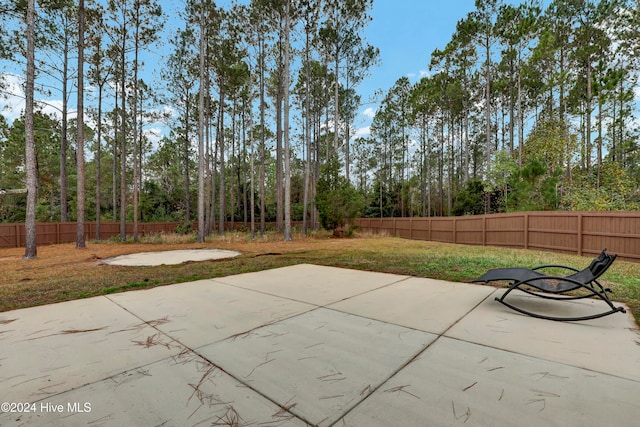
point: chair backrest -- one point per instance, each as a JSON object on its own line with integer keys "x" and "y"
{"x": 596, "y": 269}
{"x": 601, "y": 264}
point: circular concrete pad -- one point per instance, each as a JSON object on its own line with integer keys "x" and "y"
{"x": 170, "y": 257}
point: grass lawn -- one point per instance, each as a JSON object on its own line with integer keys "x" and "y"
{"x": 62, "y": 273}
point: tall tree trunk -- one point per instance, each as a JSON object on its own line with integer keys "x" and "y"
{"x": 99, "y": 162}
{"x": 31, "y": 250}
{"x": 114, "y": 169}
{"x": 520, "y": 119}
{"x": 235, "y": 163}
{"x": 187, "y": 175}
{"x": 201, "y": 177}
{"x": 279, "y": 174}
{"x": 243, "y": 179}
{"x": 307, "y": 137}
{"x": 336, "y": 99}
{"x": 487, "y": 116}
{"x": 123, "y": 144}
{"x": 262, "y": 136}
{"x": 347, "y": 134}
{"x": 64, "y": 134}
{"x": 80, "y": 237}
{"x": 287, "y": 148}
{"x": 252, "y": 197}
{"x": 214, "y": 182}
{"x": 588, "y": 117}
{"x": 208, "y": 158}
{"x": 134, "y": 103}
{"x": 223, "y": 207}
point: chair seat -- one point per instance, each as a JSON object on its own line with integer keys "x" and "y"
{"x": 532, "y": 278}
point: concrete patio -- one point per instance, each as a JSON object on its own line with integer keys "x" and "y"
{"x": 312, "y": 345}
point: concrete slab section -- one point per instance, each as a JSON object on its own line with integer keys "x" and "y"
{"x": 425, "y": 304}
{"x": 318, "y": 364}
{"x": 313, "y": 284}
{"x": 50, "y": 349}
{"x": 206, "y": 311}
{"x": 459, "y": 383}
{"x": 180, "y": 391}
{"x": 143, "y": 259}
{"x": 609, "y": 344}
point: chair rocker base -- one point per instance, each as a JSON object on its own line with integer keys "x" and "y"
{"x": 561, "y": 319}
{"x": 592, "y": 292}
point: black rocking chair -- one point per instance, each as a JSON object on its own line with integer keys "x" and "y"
{"x": 524, "y": 279}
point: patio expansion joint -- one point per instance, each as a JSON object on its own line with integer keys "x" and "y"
{"x": 283, "y": 408}
{"x": 326, "y": 305}
{"x": 420, "y": 352}
{"x": 549, "y": 360}
{"x": 505, "y": 350}
{"x": 210, "y": 362}
{"x": 185, "y": 348}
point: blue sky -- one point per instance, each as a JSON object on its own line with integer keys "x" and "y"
{"x": 406, "y": 32}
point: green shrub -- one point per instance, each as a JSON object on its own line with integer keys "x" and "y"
{"x": 185, "y": 227}
{"x": 338, "y": 202}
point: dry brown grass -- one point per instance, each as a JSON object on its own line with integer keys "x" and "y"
{"x": 62, "y": 272}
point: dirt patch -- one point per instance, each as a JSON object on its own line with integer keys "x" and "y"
{"x": 170, "y": 257}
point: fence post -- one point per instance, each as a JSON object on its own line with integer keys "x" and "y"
{"x": 526, "y": 231}
{"x": 411, "y": 228}
{"x": 484, "y": 230}
{"x": 455, "y": 231}
{"x": 580, "y": 234}
{"x": 18, "y": 244}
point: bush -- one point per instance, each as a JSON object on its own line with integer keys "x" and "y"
{"x": 338, "y": 202}
{"x": 185, "y": 227}
{"x": 471, "y": 199}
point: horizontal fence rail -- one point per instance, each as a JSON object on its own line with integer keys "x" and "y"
{"x": 52, "y": 233}
{"x": 580, "y": 233}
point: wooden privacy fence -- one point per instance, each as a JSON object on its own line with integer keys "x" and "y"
{"x": 51, "y": 233}
{"x": 581, "y": 233}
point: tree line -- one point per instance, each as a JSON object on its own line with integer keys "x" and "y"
{"x": 227, "y": 82}
{"x": 528, "y": 106}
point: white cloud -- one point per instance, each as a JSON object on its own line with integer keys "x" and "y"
{"x": 369, "y": 112}
{"x": 12, "y": 100}
{"x": 154, "y": 135}
{"x": 53, "y": 107}
{"x": 420, "y": 74}
{"x": 362, "y": 132}
{"x": 12, "y": 97}
{"x": 169, "y": 111}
